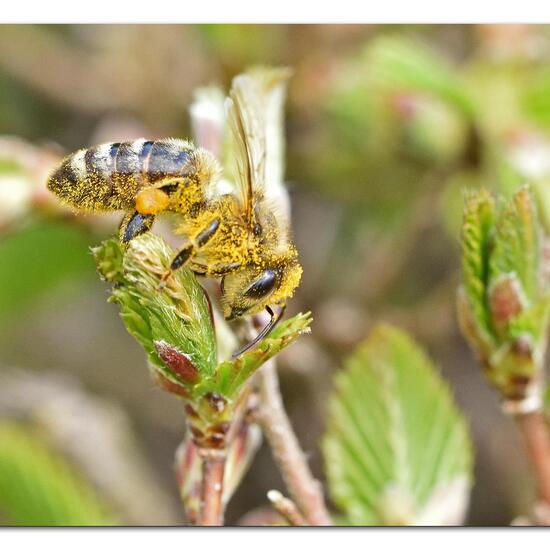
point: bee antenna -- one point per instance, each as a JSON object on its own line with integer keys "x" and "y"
{"x": 263, "y": 333}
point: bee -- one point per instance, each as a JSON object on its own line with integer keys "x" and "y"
{"x": 239, "y": 234}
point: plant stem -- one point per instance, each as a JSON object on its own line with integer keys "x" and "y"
{"x": 286, "y": 508}
{"x": 304, "y": 489}
{"x": 213, "y": 466}
{"x": 537, "y": 442}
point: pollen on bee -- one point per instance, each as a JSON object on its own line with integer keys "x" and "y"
{"x": 151, "y": 201}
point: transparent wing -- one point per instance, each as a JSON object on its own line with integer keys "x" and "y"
{"x": 255, "y": 117}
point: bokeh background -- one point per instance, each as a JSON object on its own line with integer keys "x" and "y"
{"x": 385, "y": 126}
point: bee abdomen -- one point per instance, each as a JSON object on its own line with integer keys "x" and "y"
{"x": 85, "y": 180}
{"x": 169, "y": 158}
{"x": 108, "y": 176}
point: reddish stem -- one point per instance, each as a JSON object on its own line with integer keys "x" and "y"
{"x": 537, "y": 442}
{"x": 213, "y": 466}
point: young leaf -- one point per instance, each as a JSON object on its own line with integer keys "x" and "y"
{"x": 478, "y": 220}
{"x": 396, "y": 443}
{"x": 517, "y": 243}
{"x": 178, "y": 316}
{"x": 231, "y": 375}
{"x": 38, "y": 487}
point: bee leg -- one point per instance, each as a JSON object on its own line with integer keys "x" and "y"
{"x": 222, "y": 269}
{"x": 178, "y": 261}
{"x": 207, "y": 233}
{"x": 182, "y": 257}
{"x": 190, "y": 249}
{"x": 134, "y": 224}
{"x": 217, "y": 270}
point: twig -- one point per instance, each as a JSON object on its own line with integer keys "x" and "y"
{"x": 261, "y": 517}
{"x": 286, "y": 508}
{"x": 537, "y": 442}
{"x": 305, "y": 490}
{"x": 213, "y": 466}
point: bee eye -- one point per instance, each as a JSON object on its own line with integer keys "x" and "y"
{"x": 262, "y": 286}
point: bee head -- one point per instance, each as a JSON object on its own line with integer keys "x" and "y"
{"x": 251, "y": 289}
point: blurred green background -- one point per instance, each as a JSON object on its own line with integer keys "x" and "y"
{"x": 385, "y": 126}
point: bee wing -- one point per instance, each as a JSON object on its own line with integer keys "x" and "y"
{"x": 255, "y": 117}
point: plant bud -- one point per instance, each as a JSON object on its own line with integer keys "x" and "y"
{"x": 506, "y": 301}
{"x": 179, "y": 363}
{"x": 504, "y": 304}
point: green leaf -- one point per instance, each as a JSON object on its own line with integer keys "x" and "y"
{"x": 400, "y": 63}
{"x": 517, "y": 246}
{"x": 533, "y": 323}
{"x": 477, "y": 227}
{"x": 39, "y": 487}
{"x": 178, "y": 315}
{"x": 231, "y": 375}
{"x": 397, "y": 449}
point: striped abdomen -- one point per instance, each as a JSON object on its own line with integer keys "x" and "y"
{"x": 108, "y": 176}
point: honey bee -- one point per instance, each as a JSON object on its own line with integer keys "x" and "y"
{"x": 239, "y": 234}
